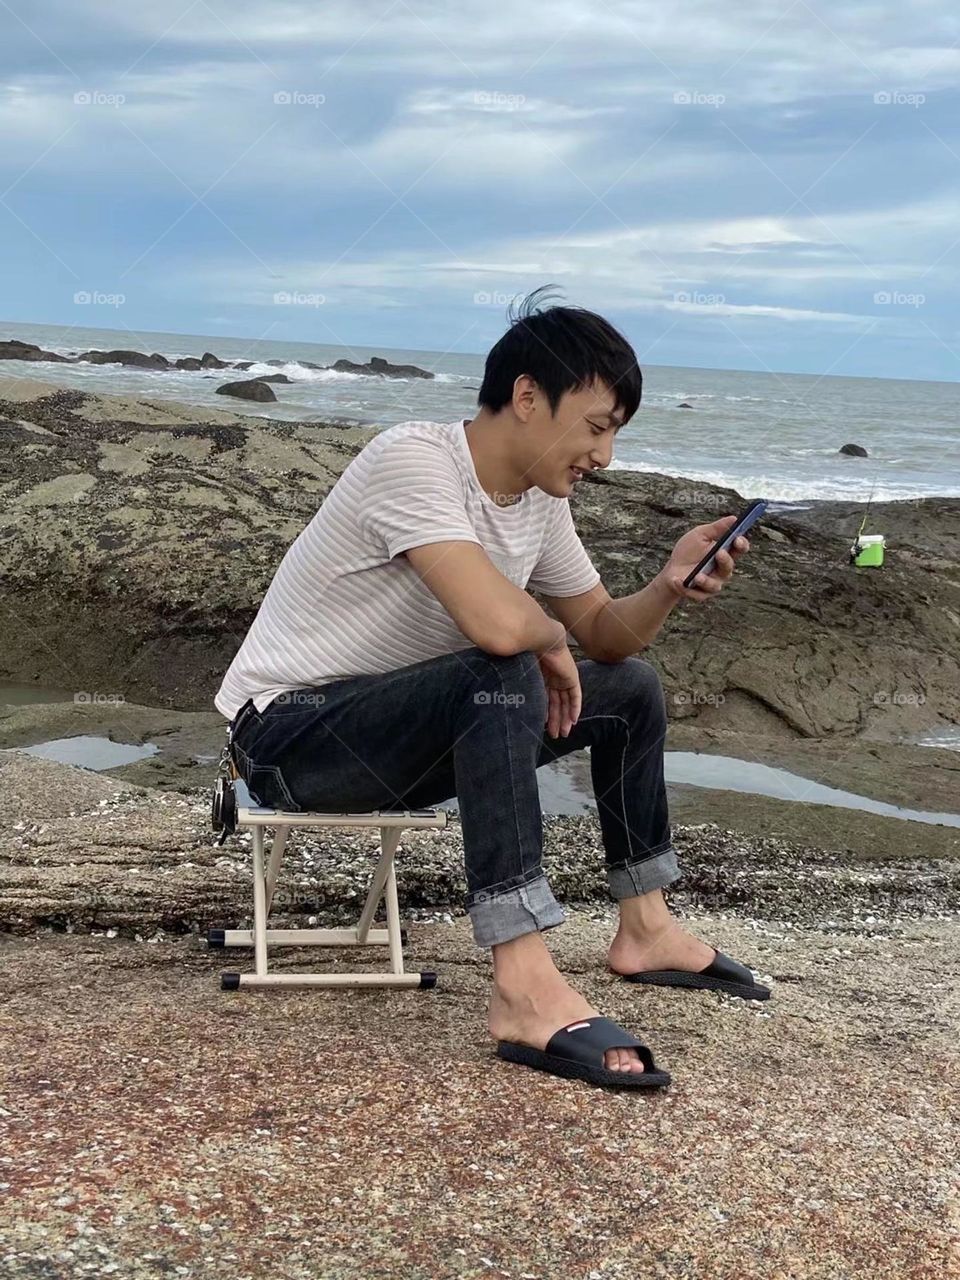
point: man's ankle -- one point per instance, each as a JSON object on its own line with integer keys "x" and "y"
{"x": 645, "y": 915}
{"x": 522, "y": 963}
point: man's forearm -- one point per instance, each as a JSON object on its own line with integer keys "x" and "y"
{"x": 630, "y": 623}
{"x": 537, "y": 631}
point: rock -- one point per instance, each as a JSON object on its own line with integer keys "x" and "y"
{"x": 188, "y": 362}
{"x": 380, "y": 367}
{"x": 198, "y": 507}
{"x": 684, "y": 405}
{"x": 252, "y": 389}
{"x": 854, "y": 450}
{"x": 273, "y": 377}
{"x": 243, "y": 364}
{"x": 138, "y": 359}
{"x": 15, "y": 350}
{"x": 209, "y": 361}
{"x": 773, "y": 534}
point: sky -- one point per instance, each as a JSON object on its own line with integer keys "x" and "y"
{"x": 770, "y": 186}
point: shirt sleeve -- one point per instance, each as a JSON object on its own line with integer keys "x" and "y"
{"x": 414, "y": 496}
{"x": 564, "y": 567}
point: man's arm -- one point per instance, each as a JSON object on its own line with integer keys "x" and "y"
{"x": 488, "y": 608}
{"x": 609, "y": 630}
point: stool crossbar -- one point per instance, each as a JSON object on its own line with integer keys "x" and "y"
{"x": 383, "y": 887}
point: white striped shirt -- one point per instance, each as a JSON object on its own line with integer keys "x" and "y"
{"x": 345, "y": 602}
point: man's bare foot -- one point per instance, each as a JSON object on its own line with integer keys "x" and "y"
{"x": 650, "y": 938}
{"x": 531, "y": 1000}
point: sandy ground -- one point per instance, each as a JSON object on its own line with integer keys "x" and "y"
{"x": 154, "y": 1125}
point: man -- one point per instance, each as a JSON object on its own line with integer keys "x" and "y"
{"x": 397, "y": 660}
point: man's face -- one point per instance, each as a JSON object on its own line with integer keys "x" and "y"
{"x": 558, "y": 449}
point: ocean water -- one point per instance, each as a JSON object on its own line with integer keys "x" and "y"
{"x": 764, "y": 434}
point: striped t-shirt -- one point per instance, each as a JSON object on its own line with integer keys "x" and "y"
{"x": 345, "y": 602}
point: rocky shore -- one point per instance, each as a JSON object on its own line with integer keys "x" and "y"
{"x": 138, "y": 538}
{"x": 155, "y": 1125}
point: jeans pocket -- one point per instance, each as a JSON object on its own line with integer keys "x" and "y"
{"x": 268, "y": 787}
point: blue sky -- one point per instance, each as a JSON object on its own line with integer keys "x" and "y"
{"x": 774, "y": 187}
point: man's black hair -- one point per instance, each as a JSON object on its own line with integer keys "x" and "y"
{"x": 562, "y": 349}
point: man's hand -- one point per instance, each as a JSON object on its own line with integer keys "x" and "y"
{"x": 562, "y": 680}
{"x": 691, "y": 549}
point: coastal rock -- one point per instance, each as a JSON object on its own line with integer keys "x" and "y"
{"x": 684, "y": 405}
{"x": 252, "y": 389}
{"x": 377, "y": 366}
{"x": 138, "y": 359}
{"x": 273, "y": 377}
{"x": 853, "y": 450}
{"x": 188, "y": 362}
{"x": 14, "y": 350}
{"x": 209, "y": 361}
{"x": 158, "y": 567}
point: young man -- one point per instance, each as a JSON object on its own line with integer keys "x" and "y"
{"x": 397, "y": 661}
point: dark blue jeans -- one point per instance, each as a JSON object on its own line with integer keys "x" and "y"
{"x": 471, "y": 725}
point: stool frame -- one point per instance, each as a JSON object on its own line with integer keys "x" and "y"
{"x": 383, "y": 887}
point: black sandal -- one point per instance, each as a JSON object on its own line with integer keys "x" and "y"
{"x": 576, "y": 1052}
{"x": 722, "y": 974}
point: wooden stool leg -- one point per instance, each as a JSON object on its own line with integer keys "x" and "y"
{"x": 259, "y": 906}
{"x": 389, "y": 839}
{"x": 276, "y": 858}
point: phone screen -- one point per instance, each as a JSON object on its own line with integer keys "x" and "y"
{"x": 746, "y": 520}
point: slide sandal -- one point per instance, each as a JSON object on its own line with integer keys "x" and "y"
{"x": 722, "y": 974}
{"x": 576, "y": 1052}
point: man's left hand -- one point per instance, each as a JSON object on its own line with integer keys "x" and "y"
{"x": 691, "y": 549}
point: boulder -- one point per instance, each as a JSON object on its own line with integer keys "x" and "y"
{"x": 684, "y": 405}
{"x": 209, "y": 361}
{"x": 251, "y": 389}
{"x": 854, "y": 450}
{"x": 15, "y": 350}
{"x": 188, "y": 362}
{"x": 380, "y": 368}
{"x": 273, "y": 377}
{"x": 138, "y": 359}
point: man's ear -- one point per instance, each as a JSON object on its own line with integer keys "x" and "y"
{"x": 524, "y": 396}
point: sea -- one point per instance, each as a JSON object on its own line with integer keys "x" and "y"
{"x": 773, "y": 435}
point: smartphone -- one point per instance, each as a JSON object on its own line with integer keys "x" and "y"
{"x": 746, "y": 520}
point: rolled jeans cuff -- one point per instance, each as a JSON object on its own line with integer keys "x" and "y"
{"x": 501, "y": 917}
{"x": 627, "y": 879}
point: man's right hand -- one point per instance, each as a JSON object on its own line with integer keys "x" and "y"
{"x": 562, "y": 680}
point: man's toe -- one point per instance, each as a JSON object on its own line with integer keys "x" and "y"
{"x": 623, "y": 1060}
